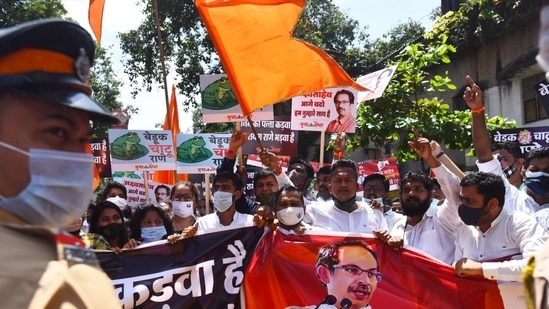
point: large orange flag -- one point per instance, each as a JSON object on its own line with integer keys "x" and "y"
{"x": 168, "y": 177}
{"x": 95, "y": 17}
{"x": 264, "y": 63}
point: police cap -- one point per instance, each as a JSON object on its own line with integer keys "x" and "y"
{"x": 49, "y": 60}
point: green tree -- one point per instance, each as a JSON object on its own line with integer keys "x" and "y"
{"x": 410, "y": 100}
{"x": 13, "y": 12}
{"x": 103, "y": 80}
{"x": 106, "y": 88}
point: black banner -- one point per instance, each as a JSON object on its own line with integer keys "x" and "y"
{"x": 205, "y": 271}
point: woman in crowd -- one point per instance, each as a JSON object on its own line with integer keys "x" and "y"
{"x": 184, "y": 199}
{"x": 150, "y": 223}
{"x": 107, "y": 230}
{"x": 117, "y": 193}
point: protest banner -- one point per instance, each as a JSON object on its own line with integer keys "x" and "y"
{"x": 211, "y": 269}
{"x": 201, "y": 153}
{"x": 219, "y": 102}
{"x": 275, "y": 135}
{"x": 317, "y": 111}
{"x": 387, "y": 167}
{"x": 101, "y": 157}
{"x": 204, "y": 271}
{"x": 135, "y": 188}
{"x": 542, "y": 91}
{"x": 141, "y": 150}
{"x": 282, "y": 273}
{"x": 528, "y": 138}
{"x": 376, "y": 83}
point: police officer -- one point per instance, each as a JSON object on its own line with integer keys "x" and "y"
{"x": 45, "y": 172}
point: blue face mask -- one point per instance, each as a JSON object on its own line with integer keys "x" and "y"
{"x": 154, "y": 233}
{"x": 537, "y": 182}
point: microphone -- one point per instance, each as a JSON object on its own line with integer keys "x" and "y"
{"x": 345, "y": 303}
{"x": 328, "y": 300}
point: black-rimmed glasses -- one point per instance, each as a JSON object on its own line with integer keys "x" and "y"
{"x": 355, "y": 271}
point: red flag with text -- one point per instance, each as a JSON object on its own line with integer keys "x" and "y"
{"x": 264, "y": 63}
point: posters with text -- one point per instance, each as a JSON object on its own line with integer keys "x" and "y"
{"x": 387, "y": 167}
{"x": 137, "y": 150}
{"x": 275, "y": 135}
{"x": 136, "y": 192}
{"x": 219, "y": 103}
{"x": 330, "y": 110}
{"x": 101, "y": 157}
{"x": 376, "y": 82}
{"x": 528, "y": 138}
{"x": 201, "y": 153}
{"x": 205, "y": 271}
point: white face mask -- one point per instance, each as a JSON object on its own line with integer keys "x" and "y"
{"x": 153, "y": 233}
{"x": 290, "y": 216}
{"x": 222, "y": 200}
{"x": 182, "y": 209}
{"x": 59, "y": 190}
{"x": 118, "y": 201}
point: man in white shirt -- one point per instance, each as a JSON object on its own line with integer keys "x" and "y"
{"x": 344, "y": 213}
{"x": 515, "y": 200}
{"x": 375, "y": 189}
{"x": 491, "y": 236}
{"x": 227, "y": 188}
{"x": 426, "y": 226}
{"x": 322, "y": 184}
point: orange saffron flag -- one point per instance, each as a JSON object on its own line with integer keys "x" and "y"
{"x": 264, "y": 63}
{"x": 95, "y": 17}
{"x": 168, "y": 177}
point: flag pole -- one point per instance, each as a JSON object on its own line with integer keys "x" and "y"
{"x": 322, "y": 145}
{"x": 255, "y": 133}
{"x": 162, "y": 59}
{"x": 239, "y": 151}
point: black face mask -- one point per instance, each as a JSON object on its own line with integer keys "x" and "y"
{"x": 510, "y": 170}
{"x": 267, "y": 199}
{"x": 412, "y": 211}
{"x": 471, "y": 216}
{"x": 111, "y": 231}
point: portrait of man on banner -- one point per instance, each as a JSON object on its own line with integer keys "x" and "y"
{"x": 376, "y": 83}
{"x": 344, "y": 102}
{"x": 349, "y": 270}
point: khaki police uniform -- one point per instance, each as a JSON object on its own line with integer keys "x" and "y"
{"x": 37, "y": 272}
{"x": 49, "y": 60}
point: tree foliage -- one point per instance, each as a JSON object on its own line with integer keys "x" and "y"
{"x": 410, "y": 101}
{"x": 105, "y": 87}
{"x": 103, "y": 80}
{"x": 480, "y": 21}
{"x": 13, "y": 12}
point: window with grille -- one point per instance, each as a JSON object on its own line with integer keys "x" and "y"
{"x": 533, "y": 110}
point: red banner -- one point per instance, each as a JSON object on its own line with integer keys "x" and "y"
{"x": 386, "y": 167}
{"x": 282, "y": 273}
